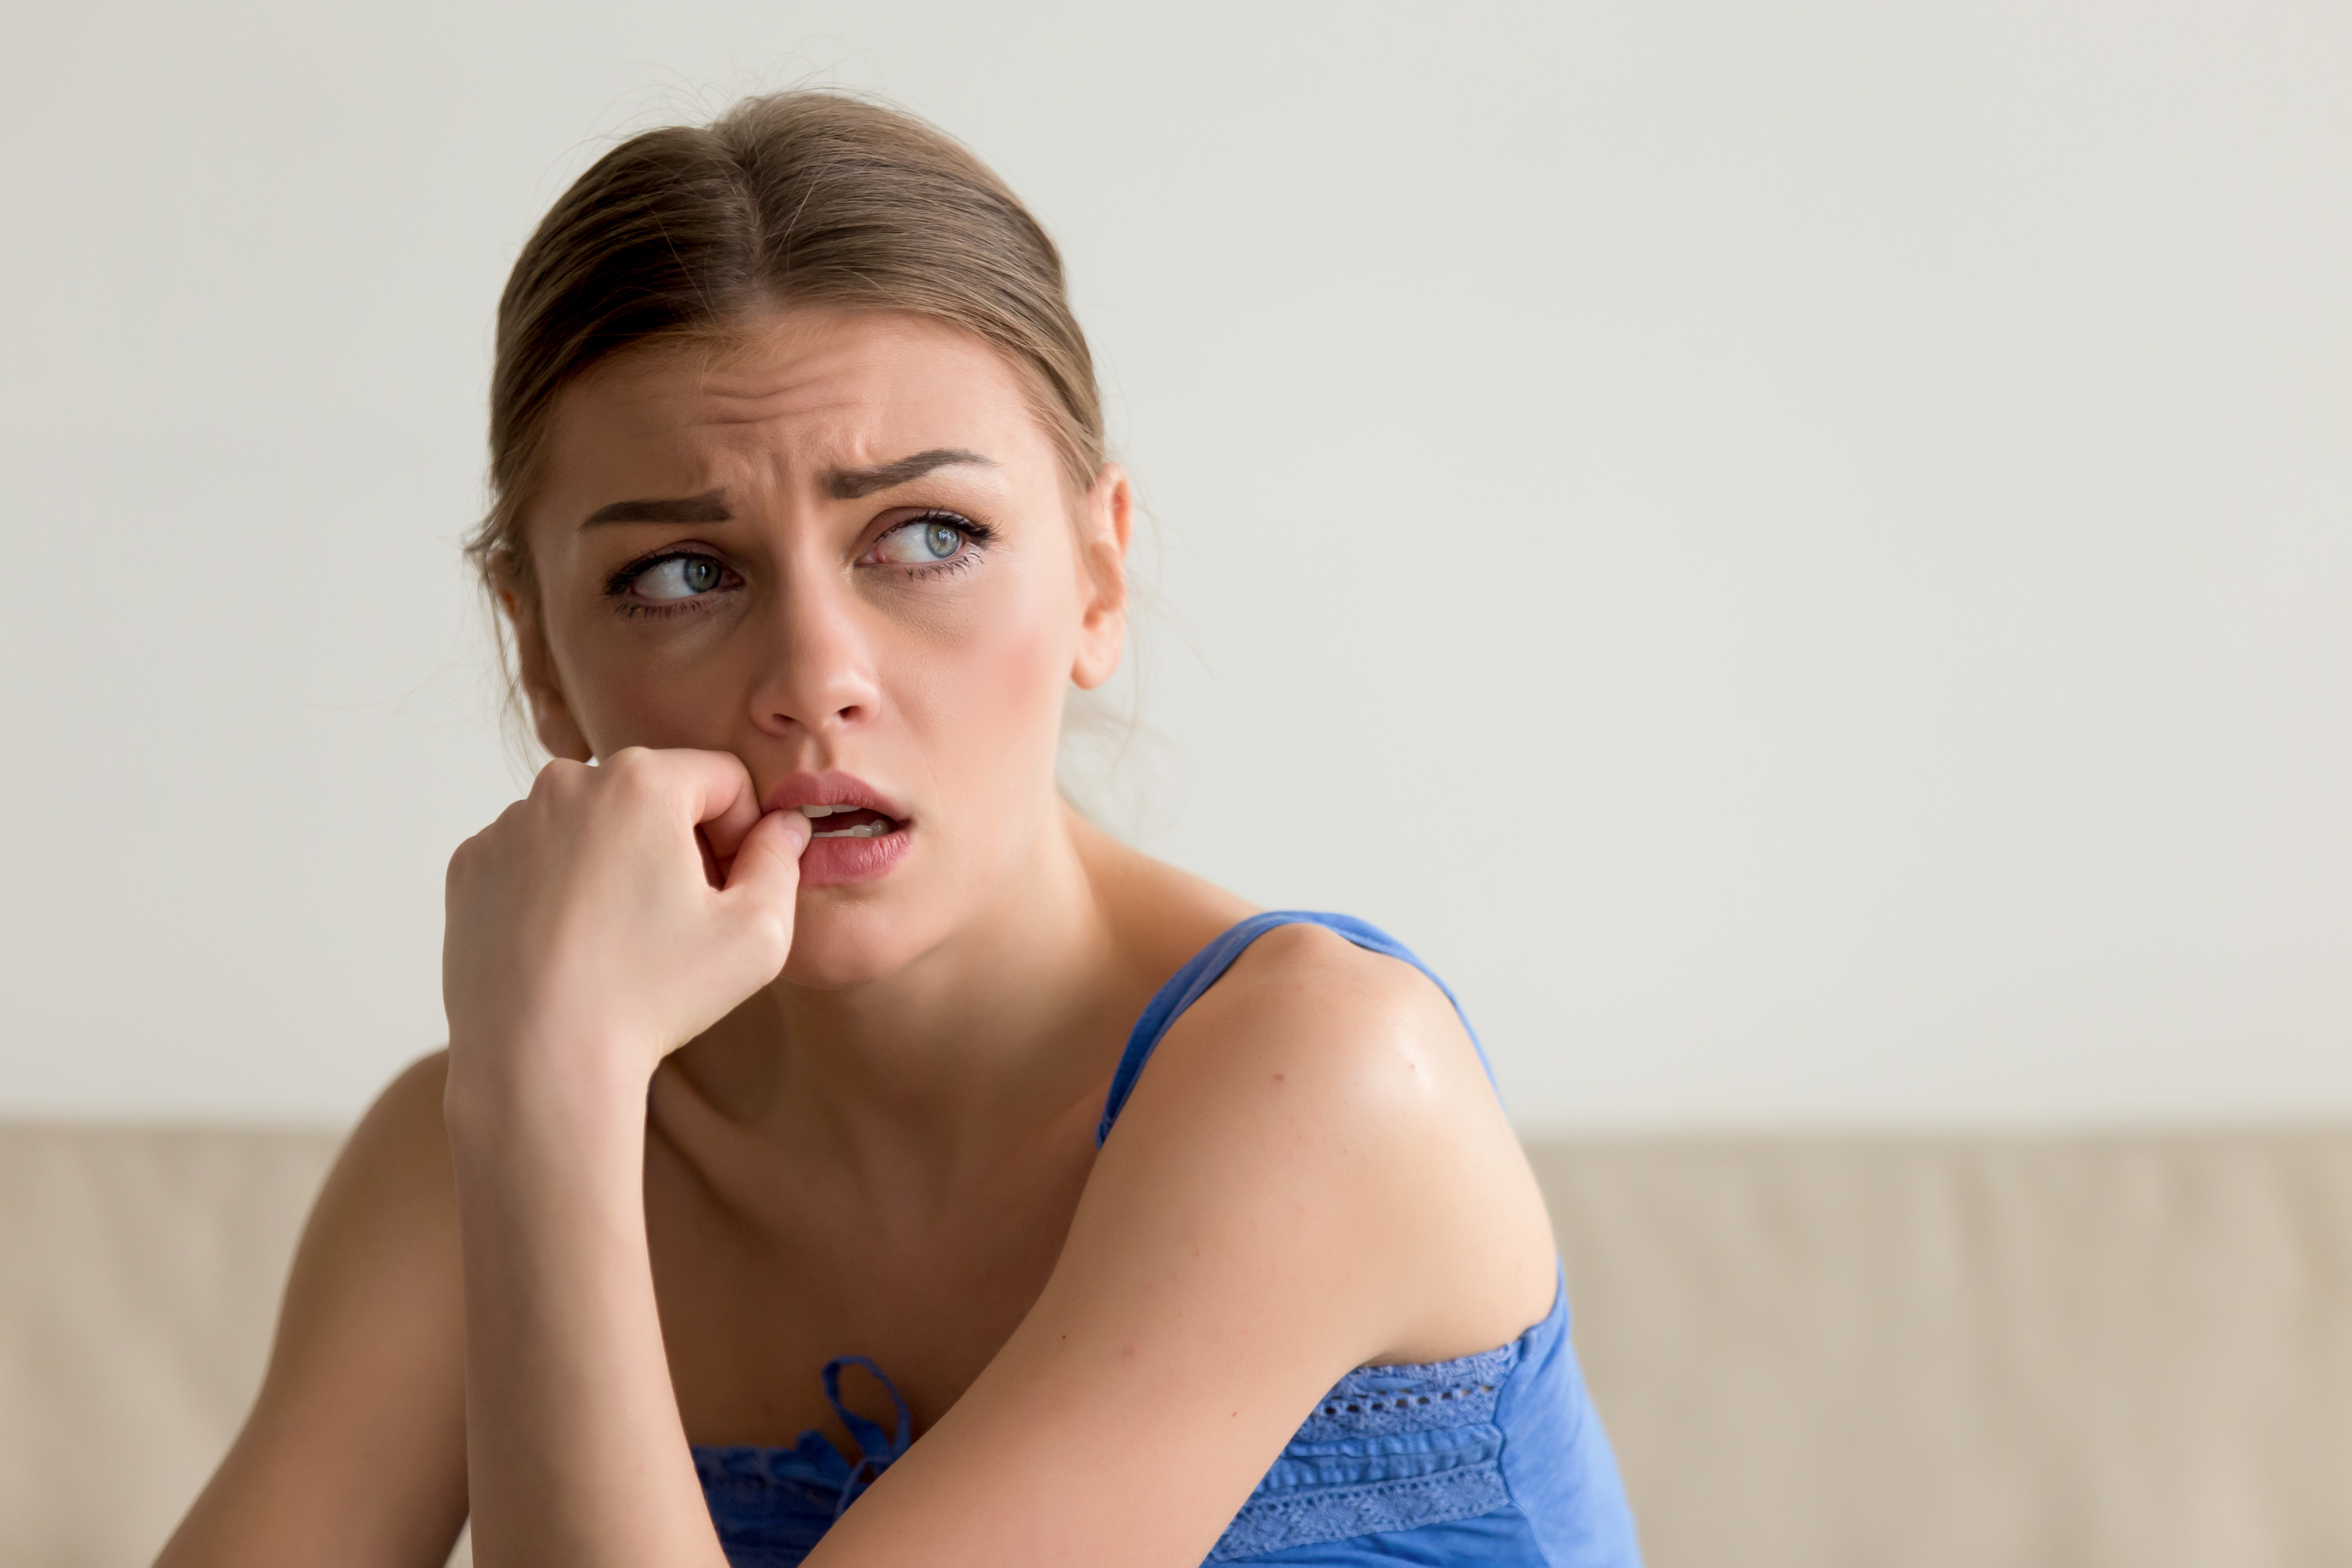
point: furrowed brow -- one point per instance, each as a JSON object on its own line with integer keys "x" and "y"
{"x": 710, "y": 506}
{"x": 848, "y": 484}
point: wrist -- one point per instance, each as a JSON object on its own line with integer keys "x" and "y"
{"x": 513, "y": 1098}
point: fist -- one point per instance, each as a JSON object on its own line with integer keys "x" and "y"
{"x": 615, "y": 913}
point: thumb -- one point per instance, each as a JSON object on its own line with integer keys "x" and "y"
{"x": 767, "y": 866}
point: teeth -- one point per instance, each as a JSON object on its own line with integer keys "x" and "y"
{"x": 862, "y": 830}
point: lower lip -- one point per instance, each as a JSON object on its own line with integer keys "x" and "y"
{"x": 838, "y": 862}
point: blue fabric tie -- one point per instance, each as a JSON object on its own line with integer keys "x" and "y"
{"x": 875, "y": 1447}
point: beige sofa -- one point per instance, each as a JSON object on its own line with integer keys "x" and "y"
{"x": 1816, "y": 1352}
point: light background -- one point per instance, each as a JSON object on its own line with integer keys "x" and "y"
{"x": 1799, "y": 551}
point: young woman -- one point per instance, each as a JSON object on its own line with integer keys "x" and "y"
{"x": 842, "y": 1149}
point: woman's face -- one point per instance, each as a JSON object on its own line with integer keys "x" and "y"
{"x": 843, "y": 551}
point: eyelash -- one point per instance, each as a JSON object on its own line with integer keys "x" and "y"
{"x": 616, "y": 586}
{"x": 978, "y": 536}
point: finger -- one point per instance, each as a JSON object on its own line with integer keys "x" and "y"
{"x": 770, "y": 854}
{"x": 730, "y": 804}
{"x": 766, "y": 870}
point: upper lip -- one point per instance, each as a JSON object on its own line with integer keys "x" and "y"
{"x": 832, "y": 789}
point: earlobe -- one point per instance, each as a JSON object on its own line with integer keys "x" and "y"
{"x": 551, "y": 715}
{"x": 1100, "y": 644}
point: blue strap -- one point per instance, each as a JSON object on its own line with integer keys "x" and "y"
{"x": 1208, "y": 965}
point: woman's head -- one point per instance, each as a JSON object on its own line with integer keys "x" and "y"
{"x": 797, "y": 453}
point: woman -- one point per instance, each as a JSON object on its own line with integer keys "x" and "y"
{"x": 831, "y": 1116}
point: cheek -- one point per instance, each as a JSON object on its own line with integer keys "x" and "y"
{"x": 631, "y": 690}
{"x": 993, "y": 696}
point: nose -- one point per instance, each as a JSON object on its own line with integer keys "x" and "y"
{"x": 819, "y": 676}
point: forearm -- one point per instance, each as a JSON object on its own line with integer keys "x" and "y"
{"x": 577, "y": 1455}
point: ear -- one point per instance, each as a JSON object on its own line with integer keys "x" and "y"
{"x": 1106, "y": 528}
{"x": 551, "y": 715}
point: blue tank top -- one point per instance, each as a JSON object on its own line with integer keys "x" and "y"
{"x": 1496, "y": 1457}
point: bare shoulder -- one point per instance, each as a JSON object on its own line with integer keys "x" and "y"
{"x": 393, "y": 1170}
{"x": 384, "y": 1229}
{"x": 1345, "y": 1081}
{"x": 1332, "y": 1033}
{"x": 355, "y": 1447}
{"x": 1307, "y": 986}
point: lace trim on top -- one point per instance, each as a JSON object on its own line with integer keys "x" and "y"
{"x": 1389, "y": 1448}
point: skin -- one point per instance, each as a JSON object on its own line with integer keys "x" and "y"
{"x": 702, "y": 1125}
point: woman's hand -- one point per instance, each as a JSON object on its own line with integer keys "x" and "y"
{"x": 611, "y": 916}
{"x": 598, "y": 925}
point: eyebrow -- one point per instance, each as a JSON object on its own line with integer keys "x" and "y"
{"x": 848, "y": 484}
{"x": 842, "y": 484}
{"x": 710, "y": 506}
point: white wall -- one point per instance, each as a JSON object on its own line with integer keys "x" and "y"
{"x": 1799, "y": 550}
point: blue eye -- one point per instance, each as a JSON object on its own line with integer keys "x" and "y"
{"x": 679, "y": 577}
{"x": 925, "y": 541}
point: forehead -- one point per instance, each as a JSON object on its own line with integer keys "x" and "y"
{"x": 807, "y": 393}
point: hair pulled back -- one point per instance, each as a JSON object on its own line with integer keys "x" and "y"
{"x": 801, "y": 198}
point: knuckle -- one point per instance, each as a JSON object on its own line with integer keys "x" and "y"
{"x": 558, "y": 778}
{"x": 635, "y": 769}
{"x": 769, "y": 933}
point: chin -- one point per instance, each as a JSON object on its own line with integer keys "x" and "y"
{"x": 839, "y": 942}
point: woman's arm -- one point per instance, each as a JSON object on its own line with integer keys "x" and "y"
{"x": 354, "y": 1453}
{"x": 1313, "y": 1174}
{"x": 585, "y": 941}
{"x": 577, "y": 1452}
